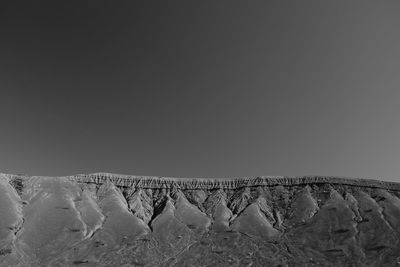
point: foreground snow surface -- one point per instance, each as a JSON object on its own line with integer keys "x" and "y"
{"x": 115, "y": 220}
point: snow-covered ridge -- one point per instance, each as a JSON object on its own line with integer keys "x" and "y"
{"x": 107, "y": 219}
{"x": 223, "y": 183}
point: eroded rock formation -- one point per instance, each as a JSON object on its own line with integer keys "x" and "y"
{"x": 116, "y": 220}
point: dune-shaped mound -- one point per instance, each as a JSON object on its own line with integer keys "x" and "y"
{"x": 117, "y": 220}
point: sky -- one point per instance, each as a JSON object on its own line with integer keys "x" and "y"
{"x": 200, "y": 88}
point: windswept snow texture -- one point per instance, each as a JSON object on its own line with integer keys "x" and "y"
{"x": 116, "y": 220}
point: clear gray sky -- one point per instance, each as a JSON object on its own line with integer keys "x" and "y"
{"x": 200, "y": 88}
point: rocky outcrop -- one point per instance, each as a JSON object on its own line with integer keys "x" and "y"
{"x": 117, "y": 220}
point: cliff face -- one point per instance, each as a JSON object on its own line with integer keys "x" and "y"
{"x": 115, "y": 220}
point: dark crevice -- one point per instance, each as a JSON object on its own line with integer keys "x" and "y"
{"x": 17, "y": 183}
{"x": 80, "y": 262}
{"x": 341, "y": 231}
{"x": 158, "y": 208}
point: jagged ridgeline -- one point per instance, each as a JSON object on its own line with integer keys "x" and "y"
{"x": 115, "y": 220}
